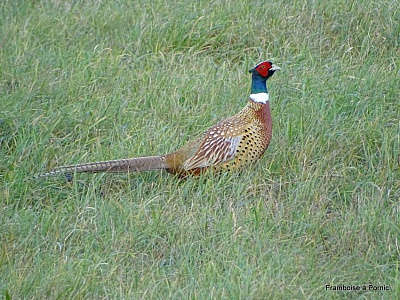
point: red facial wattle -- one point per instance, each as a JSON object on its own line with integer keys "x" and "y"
{"x": 263, "y": 68}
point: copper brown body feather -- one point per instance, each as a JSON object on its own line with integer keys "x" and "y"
{"x": 230, "y": 144}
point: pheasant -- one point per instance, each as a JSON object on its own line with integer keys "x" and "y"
{"x": 230, "y": 144}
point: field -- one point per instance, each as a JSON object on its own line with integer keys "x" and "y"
{"x": 93, "y": 80}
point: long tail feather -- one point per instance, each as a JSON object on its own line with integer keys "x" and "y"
{"x": 138, "y": 164}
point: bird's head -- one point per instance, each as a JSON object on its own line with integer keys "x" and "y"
{"x": 264, "y": 69}
{"x": 260, "y": 74}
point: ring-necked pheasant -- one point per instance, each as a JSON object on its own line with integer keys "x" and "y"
{"x": 230, "y": 144}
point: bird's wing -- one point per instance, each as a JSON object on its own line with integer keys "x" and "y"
{"x": 219, "y": 146}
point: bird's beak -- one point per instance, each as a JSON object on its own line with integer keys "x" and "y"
{"x": 275, "y": 68}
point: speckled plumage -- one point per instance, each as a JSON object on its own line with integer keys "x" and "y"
{"x": 230, "y": 144}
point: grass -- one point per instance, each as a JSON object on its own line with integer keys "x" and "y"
{"x": 94, "y": 80}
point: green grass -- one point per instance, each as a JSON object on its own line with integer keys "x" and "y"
{"x": 96, "y": 80}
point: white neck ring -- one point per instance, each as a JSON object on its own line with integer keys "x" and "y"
{"x": 260, "y": 97}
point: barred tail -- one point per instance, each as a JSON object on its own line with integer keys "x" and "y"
{"x": 138, "y": 164}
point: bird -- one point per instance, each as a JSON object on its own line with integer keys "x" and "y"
{"x": 231, "y": 144}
